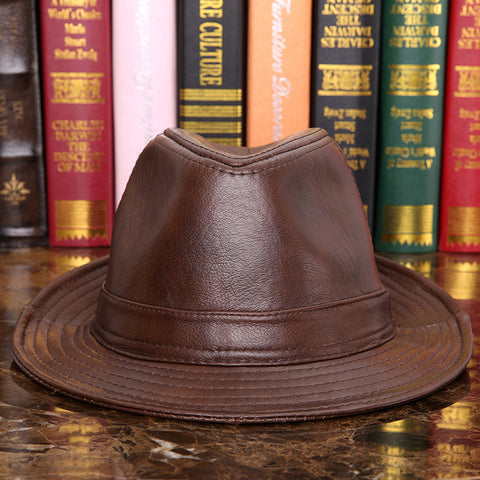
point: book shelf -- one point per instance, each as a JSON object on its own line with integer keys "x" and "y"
{"x": 326, "y": 53}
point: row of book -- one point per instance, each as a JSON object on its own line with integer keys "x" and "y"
{"x": 396, "y": 83}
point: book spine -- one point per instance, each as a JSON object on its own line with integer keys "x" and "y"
{"x": 76, "y": 51}
{"x": 278, "y": 69}
{"x": 460, "y": 192}
{"x": 411, "y": 119}
{"x": 23, "y": 215}
{"x": 346, "y": 49}
{"x": 211, "y": 69}
{"x": 144, "y": 78}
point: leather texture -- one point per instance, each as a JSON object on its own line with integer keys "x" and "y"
{"x": 242, "y": 287}
{"x": 236, "y": 262}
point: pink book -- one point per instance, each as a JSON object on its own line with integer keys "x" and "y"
{"x": 144, "y": 78}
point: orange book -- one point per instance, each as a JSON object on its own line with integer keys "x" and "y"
{"x": 278, "y": 69}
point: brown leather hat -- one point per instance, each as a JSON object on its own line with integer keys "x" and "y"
{"x": 242, "y": 287}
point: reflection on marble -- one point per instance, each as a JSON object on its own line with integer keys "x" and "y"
{"x": 52, "y": 433}
{"x": 44, "y": 435}
{"x": 460, "y": 276}
{"x": 24, "y": 271}
{"x": 421, "y": 263}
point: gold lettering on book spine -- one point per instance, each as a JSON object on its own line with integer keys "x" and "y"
{"x": 80, "y": 219}
{"x": 468, "y": 82}
{"x": 210, "y": 111}
{"x": 77, "y": 87}
{"x": 413, "y": 80}
{"x": 212, "y": 95}
{"x": 345, "y": 80}
{"x": 408, "y": 224}
{"x": 463, "y": 226}
{"x": 213, "y": 112}
{"x": 211, "y": 127}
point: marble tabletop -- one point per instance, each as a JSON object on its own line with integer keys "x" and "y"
{"x": 46, "y": 436}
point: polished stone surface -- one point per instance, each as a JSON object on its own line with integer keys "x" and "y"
{"x": 44, "y": 435}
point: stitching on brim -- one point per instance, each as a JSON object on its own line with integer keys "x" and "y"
{"x": 229, "y": 416}
{"x": 91, "y": 366}
{"x": 125, "y": 359}
{"x": 355, "y": 397}
{"x": 411, "y": 278}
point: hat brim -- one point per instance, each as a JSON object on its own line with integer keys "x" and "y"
{"x": 52, "y": 344}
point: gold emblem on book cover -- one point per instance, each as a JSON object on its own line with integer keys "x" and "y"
{"x": 77, "y": 87}
{"x": 413, "y": 80}
{"x": 468, "y": 81}
{"x": 80, "y": 219}
{"x": 463, "y": 226}
{"x": 14, "y": 191}
{"x": 408, "y": 224}
{"x": 345, "y": 80}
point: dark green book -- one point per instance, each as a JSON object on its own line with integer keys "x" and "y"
{"x": 411, "y": 118}
{"x": 346, "y": 50}
{"x": 211, "y": 69}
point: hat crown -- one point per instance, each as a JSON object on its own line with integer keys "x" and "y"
{"x": 237, "y": 250}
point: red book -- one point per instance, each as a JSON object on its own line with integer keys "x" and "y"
{"x": 76, "y": 51}
{"x": 460, "y": 191}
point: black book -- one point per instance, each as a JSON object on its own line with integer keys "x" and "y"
{"x": 22, "y": 175}
{"x": 345, "y": 75}
{"x": 211, "y": 69}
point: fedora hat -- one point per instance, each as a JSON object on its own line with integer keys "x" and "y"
{"x": 242, "y": 286}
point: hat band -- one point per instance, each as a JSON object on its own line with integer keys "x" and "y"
{"x": 236, "y": 338}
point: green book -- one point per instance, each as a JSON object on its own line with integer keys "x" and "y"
{"x": 411, "y": 119}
